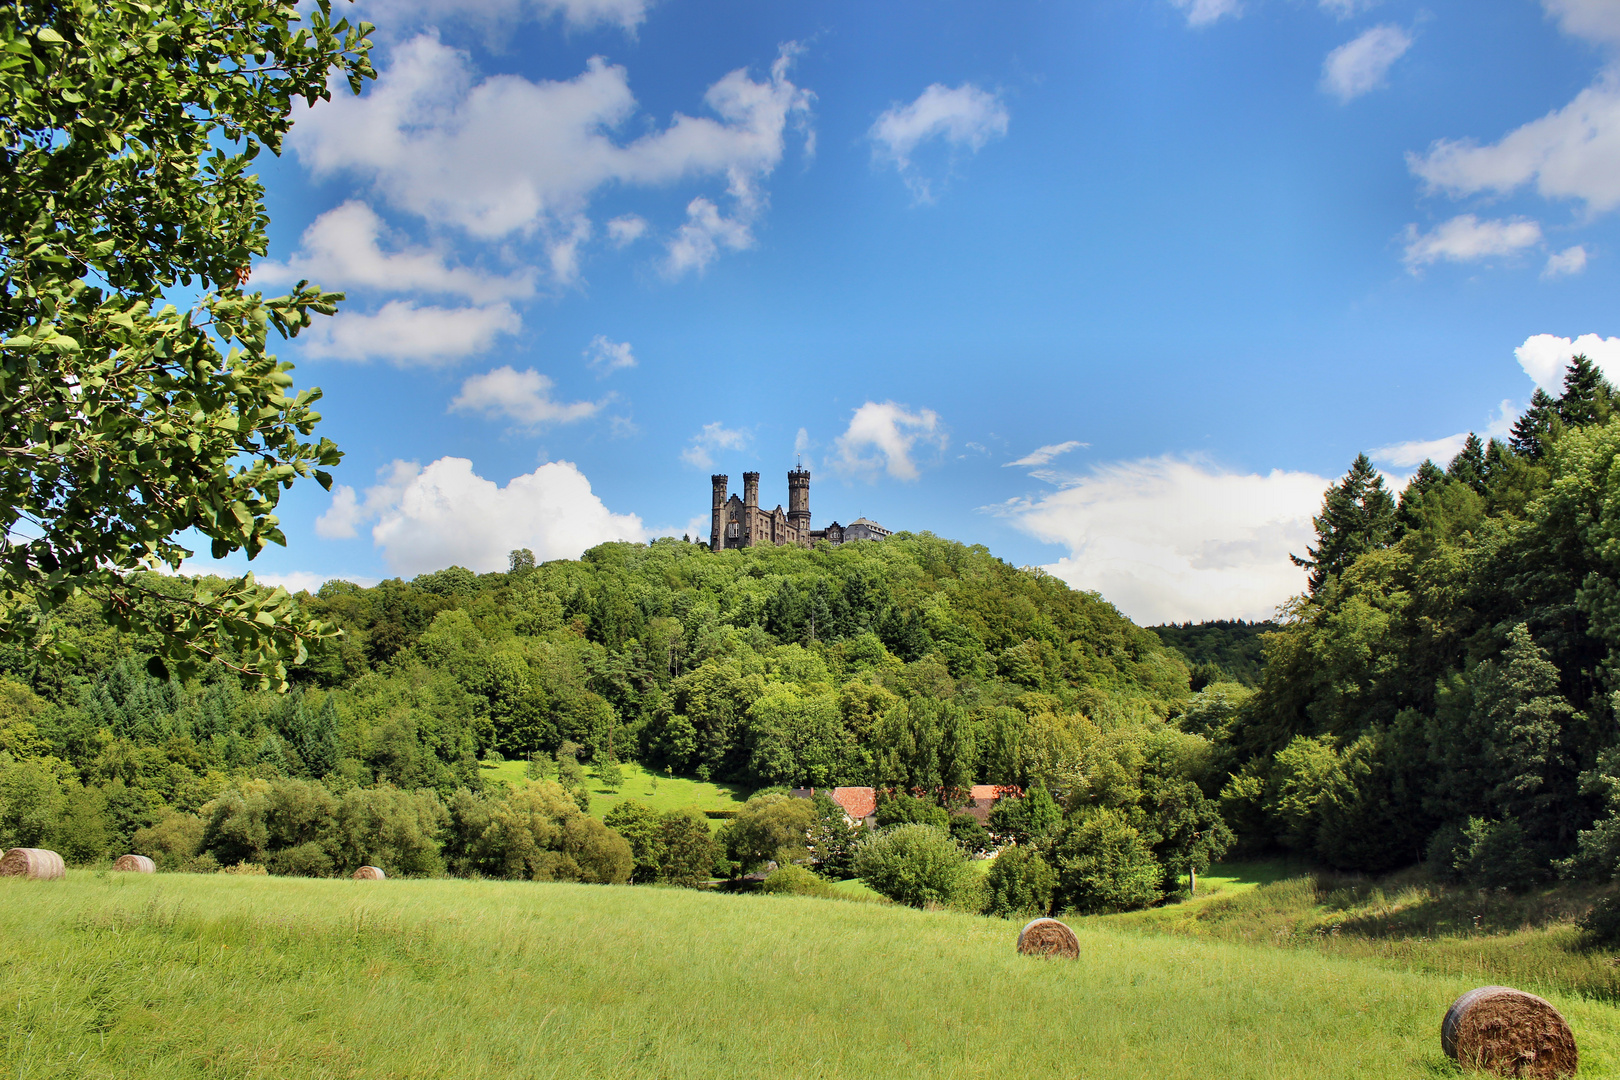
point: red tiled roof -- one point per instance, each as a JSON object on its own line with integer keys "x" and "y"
{"x": 987, "y": 792}
{"x": 858, "y": 802}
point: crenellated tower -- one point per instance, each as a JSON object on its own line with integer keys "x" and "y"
{"x": 717, "y": 531}
{"x": 799, "y": 501}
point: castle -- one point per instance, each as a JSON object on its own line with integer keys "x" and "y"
{"x": 740, "y": 523}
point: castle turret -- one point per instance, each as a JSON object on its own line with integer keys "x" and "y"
{"x": 799, "y": 502}
{"x": 751, "y": 489}
{"x": 718, "y": 511}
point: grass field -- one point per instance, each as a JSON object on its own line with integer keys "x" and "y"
{"x": 223, "y": 976}
{"x": 670, "y": 792}
{"x": 1407, "y": 921}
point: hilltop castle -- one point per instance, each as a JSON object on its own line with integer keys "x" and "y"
{"x": 740, "y": 523}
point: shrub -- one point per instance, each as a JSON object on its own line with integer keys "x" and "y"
{"x": 1026, "y": 820}
{"x": 688, "y": 848}
{"x": 385, "y": 827}
{"x": 1104, "y": 865}
{"x": 1497, "y": 856}
{"x": 1602, "y": 924}
{"x": 173, "y": 842}
{"x": 769, "y": 826}
{"x": 1019, "y": 885}
{"x": 903, "y": 809}
{"x": 796, "y": 881}
{"x": 913, "y": 864}
{"x": 966, "y": 830}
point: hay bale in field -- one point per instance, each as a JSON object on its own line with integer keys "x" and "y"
{"x": 28, "y": 862}
{"x": 1048, "y": 937}
{"x": 369, "y": 873}
{"x": 135, "y": 864}
{"x": 1509, "y": 1033}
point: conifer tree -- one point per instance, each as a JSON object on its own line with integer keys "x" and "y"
{"x": 1358, "y": 516}
{"x": 1469, "y": 465}
{"x": 1533, "y": 425}
{"x": 1588, "y": 398}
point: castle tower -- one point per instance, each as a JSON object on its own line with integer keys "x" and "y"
{"x": 750, "y": 523}
{"x": 717, "y": 534}
{"x": 751, "y": 489}
{"x": 799, "y": 502}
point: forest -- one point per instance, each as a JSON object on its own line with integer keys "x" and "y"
{"x": 1442, "y": 692}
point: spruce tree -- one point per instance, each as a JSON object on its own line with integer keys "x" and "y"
{"x": 1428, "y": 477}
{"x": 1533, "y": 425}
{"x": 1588, "y": 398}
{"x": 1358, "y": 516}
{"x": 1468, "y": 466}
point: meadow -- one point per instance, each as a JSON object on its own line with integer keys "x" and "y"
{"x": 231, "y": 976}
{"x": 661, "y": 790}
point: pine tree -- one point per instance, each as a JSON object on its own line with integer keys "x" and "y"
{"x": 1358, "y": 516}
{"x": 1534, "y": 425}
{"x": 1588, "y": 398}
{"x": 1469, "y": 465}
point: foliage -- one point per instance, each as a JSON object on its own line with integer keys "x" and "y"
{"x": 969, "y": 834}
{"x": 797, "y": 881}
{"x": 1102, "y": 865}
{"x": 899, "y": 809}
{"x": 1020, "y": 884}
{"x": 769, "y": 827}
{"x": 126, "y": 158}
{"x": 1220, "y": 650}
{"x": 833, "y": 838}
{"x": 913, "y": 864}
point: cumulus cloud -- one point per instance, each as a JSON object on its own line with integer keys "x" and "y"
{"x": 1465, "y": 238}
{"x": 446, "y": 514}
{"x": 1045, "y": 454}
{"x": 699, "y": 453}
{"x": 523, "y": 396}
{"x": 407, "y": 334}
{"x": 1594, "y": 20}
{"x": 342, "y": 249}
{"x": 1407, "y": 455}
{"x": 579, "y": 14}
{"x": 609, "y": 356}
{"x": 886, "y": 437}
{"x": 963, "y": 118}
{"x": 1359, "y": 66}
{"x": 1564, "y": 263}
{"x": 1545, "y": 356}
{"x": 1204, "y": 12}
{"x": 502, "y": 155}
{"x": 342, "y": 520}
{"x": 697, "y": 243}
{"x": 1169, "y": 539}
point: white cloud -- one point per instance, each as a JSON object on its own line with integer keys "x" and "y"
{"x": 502, "y": 155}
{"x": 446, "y": 514}
{"x": 964, "y": 118}
{"x": 716, "y": 436}
{"x": 341, "y": 250}
{"x": 1406, "y": 455}
{"x": 626, "y": 229}
{"x": 697, "y": 243}
{"x": 885, "y": 437}
{"x": 1466, "y": 237}
{"x": 1359, "y": 66}
{"x": 409, "y": 335}
{"x": 1563, "y": 263}
{"x": 580, "y": 14}
{"x": 343, "y": 518}
{"x": 1343, "y": 9}
{"x": 524, "y": 396}
{"x": 1045, "y": 454}
{"x": 1573, "y": 152}
{"x": 1594, "y": 20}
{"x": 609, "y": 356}
{"x": 1167, "y": 539}
{"x": 1204, "y": 12}
{"x": 1545, "y": 356}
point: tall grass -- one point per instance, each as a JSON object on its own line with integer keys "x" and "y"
{"x": 218, "y": 976}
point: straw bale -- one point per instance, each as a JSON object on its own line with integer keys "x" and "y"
{"x": 135, "y": 864}
{"x": 1048, "y": 937}
{"x": 1509, "y": 1033}
{"x": 369, "y": 873}
{"x": 36, "y": 863}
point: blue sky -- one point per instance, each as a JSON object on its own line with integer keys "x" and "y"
{"x": 1113, "y": 287}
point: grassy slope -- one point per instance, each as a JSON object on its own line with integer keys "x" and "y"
{"x": 1407, "y": 921}
{"x": 672, "y": 792}
{"x": 180, "y": 976}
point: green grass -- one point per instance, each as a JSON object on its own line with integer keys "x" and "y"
{"x": 172, "y": 976}
{"x": 670, "y": 793}
{"x": 1407, "y": 921}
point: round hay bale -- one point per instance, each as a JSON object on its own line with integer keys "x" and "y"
{"x": 369, "y": 873}
{"x": 1048, "y": 937}
{"x": 28, "y": 862}
{"x": 1509, "y": 1033}
{"x": 135, "y": 864}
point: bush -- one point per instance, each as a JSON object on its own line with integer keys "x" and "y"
{"x": 1601, "y": 925}
{"x": 1104, "y": 865}
{"x": 966, "y": 830}
{"x": 769, "y": 826}
{"x": 913, "y": 864}
{"x": 1019, "y": 885}
{"x": 688, "y": 848}
{"x": 173, "y": 843}
{"x": 796, "y": 881}
{"x": 1497, "y": 856}
{"x": 905, "y": 809}
{"x": 1026, "y": 820}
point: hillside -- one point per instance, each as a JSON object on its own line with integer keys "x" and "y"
{"x": 179, "y": 975}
